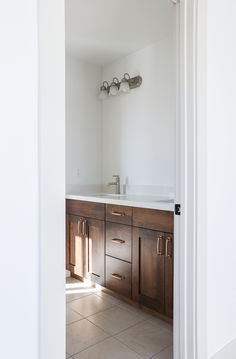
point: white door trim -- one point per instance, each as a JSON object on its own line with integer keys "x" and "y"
{"x": 190, "y": 227}
{"x": 190, "y": 262}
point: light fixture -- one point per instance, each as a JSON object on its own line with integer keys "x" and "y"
{"x": 114, "y": 88}
{"x": 103, "y": 93}
{"x": 124, "y": 85}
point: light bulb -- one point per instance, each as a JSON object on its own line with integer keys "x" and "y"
{"x": 102, "y": 95}
{"x": 113, "y": 90}
{"x": 124, "y": 86}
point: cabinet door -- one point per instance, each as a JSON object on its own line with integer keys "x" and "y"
{"x": 95, "y": 243}
{"x": 76, "y": 248}
{"x": 169, "y": 271}
{"x": 149, "y": 268}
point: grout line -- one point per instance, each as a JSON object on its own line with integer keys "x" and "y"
{"x": 84, "y": 296}
{"x": 128, "y": 347}
{"x": 152, "y": 356}
{"x": 90, "y": 346}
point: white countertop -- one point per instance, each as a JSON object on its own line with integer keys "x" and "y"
{"x": 152, "y": 202}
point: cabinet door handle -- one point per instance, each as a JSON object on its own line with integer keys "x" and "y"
{"x": 84, "y": 227}
{"x": 79, "y": 226}
{"x": 118, "y": 241}
{"x": 117, "y": 276}
{"x": 168, "y": 240}
{"x": 118, "y": 214}
{"x": 159, "y": 250}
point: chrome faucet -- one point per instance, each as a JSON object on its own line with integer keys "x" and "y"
{"x": 116, "y": 183}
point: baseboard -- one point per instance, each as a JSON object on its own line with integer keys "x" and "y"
{"x": 228, "y": 352}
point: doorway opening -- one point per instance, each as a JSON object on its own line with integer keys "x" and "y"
{"x": 121, "y": 91}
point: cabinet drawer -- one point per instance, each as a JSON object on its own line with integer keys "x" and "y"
{"x": 118, "y": 241}
{"x": 153, "y": 219}
{"x": 119, "y": 214}
{"x": 118, "y": 276}
{"x": 85, "y": 209}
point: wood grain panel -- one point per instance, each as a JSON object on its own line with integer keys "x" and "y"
{"x": 118, "y": 241}
{"x": 169, "y": 275}
{"x": 86, "y": 209}
{"x": 118, "y": 276}
{"x": 153, "y": 219}
{"x": 119, "y": 214}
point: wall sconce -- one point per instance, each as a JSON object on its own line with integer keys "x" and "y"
{"x": 114, "y": 87}
{"x": 125, "y": 85}
{"x": 103, "y": 93}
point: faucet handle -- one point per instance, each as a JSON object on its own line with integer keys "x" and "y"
{"x": 116, "y": 176}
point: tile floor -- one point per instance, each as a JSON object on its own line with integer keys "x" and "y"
{"x": 100, "y": 326}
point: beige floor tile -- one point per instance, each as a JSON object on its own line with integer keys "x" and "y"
{"x": 81, "y": 335}
{"x": 109, "y": 298}
{"x": 165, "y": 354}
{"x": 72, "y": 280}
{"x": 108, "y": 349}
{"x": 115, "y": 319}
{"x": 90, "y": 305}
{"x": 68, "y": 356}
{"x": 162, "y": 324}
{"x": 71, "y": 315}
{"x": 131, "y": 308}
{"x": 74, "y": 296}
{"x": 146, "y": 338}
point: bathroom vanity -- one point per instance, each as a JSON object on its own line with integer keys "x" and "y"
{"x": 126, "y": 248}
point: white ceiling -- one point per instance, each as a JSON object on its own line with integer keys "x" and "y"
{"x": 101, "y": 31}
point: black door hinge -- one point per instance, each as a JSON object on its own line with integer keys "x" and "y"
{"x": 177, "y": 209}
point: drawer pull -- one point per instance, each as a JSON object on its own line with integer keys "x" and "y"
{"x": 117, "y": 276}
{"x": 118, "y": 214}
{"x": 118, "y": 241}
{"x": 96, "y": 275}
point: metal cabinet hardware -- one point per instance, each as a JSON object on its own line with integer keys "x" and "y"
{"x": 118, "y": 214}
{"x": 84, "y": 227}
{"x": 160, "y": 245}
{"x": 117, "y": 276}
{"x": 96, "y": 275}
{"x": 168, "y": 240}
{"x": 79, "y": 226}
{"x": 118, "y": 241}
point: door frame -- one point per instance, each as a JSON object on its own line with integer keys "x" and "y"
{"x": 190, "y": 227}
{"x": 190, "y": 325}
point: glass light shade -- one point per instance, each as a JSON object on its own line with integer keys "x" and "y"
{"x": 102, "y": 94}
{"x": 124, "y": 86}
{"x": 113, "y": 90}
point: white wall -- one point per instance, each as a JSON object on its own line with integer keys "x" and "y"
{"x": 139, "y": 127}
{"x": 221, "y": 165}
{"x": 52, "y": 180}
{"x": 19, "y": 221}
{"x": 83, "y": 123}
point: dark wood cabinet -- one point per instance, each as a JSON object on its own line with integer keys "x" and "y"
{"x": 128, "y": 250}
{"x": 76, "y": 256}
{"x": 153, "y": 270}
{"x": 118, "y": 241}
{"x": 95, "y": 243}
{"x": 118, "y": 276}
{"x": 169, "y": 274}
{"x": 85, "y": 245}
